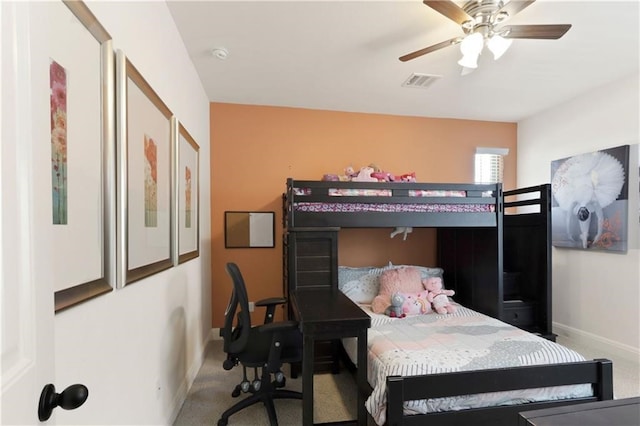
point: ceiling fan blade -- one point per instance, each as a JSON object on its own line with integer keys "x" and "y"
{"x": 449, "y": 9}
{"x": 551, "y": 32}
{"x": 515, "y": 6}
{"x": 429, "y": 49}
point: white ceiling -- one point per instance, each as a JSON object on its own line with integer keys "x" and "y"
{"x": 343, "y": 55}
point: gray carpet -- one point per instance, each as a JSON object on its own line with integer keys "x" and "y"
{"x": 210, "y": 396}
{"x": 334, "y": 395}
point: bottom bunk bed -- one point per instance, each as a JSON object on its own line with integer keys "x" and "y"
{"x": 467, "y": 368}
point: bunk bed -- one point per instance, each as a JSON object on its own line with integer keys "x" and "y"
{"x": 391, "y": 204}
{"x": 495, "y": 254}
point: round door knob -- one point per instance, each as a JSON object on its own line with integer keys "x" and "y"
{"x": 69, "y": 399}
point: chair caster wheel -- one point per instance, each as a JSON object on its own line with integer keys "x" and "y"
{"x": 222, "y": 422}
{"x": 236, "y": 392}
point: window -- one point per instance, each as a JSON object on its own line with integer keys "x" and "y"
{"x": 489, "y": 164}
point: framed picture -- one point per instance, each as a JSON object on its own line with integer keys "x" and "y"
{"x": 145, "y": 198}
{"x": 187, "y": 196}
{"x": 78, "y": 95}
{"x": 590, "y": 202}
{"x": 249, "y": 229}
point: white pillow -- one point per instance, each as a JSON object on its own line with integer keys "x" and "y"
{"x": 360, "y": 284}
{"x": 425, "y": 272}
{"x": 362, "y": 290}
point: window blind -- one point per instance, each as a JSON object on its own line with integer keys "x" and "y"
{"x": 489, "y": 164}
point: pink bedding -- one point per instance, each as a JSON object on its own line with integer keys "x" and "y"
{"x": 389, "y": 207}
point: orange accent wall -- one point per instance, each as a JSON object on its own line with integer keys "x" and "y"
{"x": 254, "y": 149}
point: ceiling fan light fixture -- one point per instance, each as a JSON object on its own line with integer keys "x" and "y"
{"x": 498, "y": 45}
{"x": 472, "y": 44}
{"x": 469, "y": 61}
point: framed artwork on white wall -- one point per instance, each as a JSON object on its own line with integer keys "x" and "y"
{"x": 145, "y": 196}
{"x": 187, "y": 196}
{"x": 79, "y": 98}
{"x": 591, "y": 200}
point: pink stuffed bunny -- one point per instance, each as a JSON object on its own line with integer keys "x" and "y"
{"x": 438, "y": 296}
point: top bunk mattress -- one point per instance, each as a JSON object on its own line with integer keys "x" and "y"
{"x": 306, "y": 200}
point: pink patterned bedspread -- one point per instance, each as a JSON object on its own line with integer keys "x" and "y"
{"x": 392, "y": 207}
{"x": 463, "y": 341}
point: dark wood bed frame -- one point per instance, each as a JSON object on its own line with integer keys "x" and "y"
{"x": 599, "y": 373}
{"x": 471, "y": 250}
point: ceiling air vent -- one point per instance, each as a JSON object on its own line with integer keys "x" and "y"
{"x": 420, "y": 81}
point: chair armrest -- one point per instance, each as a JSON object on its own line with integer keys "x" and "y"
{"x": 271, "y": 301}
{"x": 271, "y": 304}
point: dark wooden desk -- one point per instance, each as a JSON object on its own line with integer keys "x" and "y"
{"x": 617, "y": 412}
{"x": 325, "y": 313}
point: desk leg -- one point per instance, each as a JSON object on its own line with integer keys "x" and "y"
{"x": 307, "y": 379}
{"x": 362, "y": 377}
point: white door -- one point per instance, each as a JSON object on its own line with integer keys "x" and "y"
{"x": 27, "y": 310}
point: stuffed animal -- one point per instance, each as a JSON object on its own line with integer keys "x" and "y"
{"x": 395, "y": 309}
{"x": 438, "y": 296}
{"x": 408, "y": 177}
{"x": 330, "y": 177}
{"x": 415, "y": 303}
{"x": 403, "y": 279}
{"x": 349, "y": 172}
{"x": 364, "y": 175}
{"x": 382, "y": 176}
{"x": 402, "y": 230}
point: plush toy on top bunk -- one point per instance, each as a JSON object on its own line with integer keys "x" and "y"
{"x": 370, "y": 173}
{"x": 365, "y": 175}
{"x": 438, "y": 296}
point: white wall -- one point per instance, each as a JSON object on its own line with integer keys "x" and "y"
{"x": 139, "y": 348}
{"x": 596, "y": 295}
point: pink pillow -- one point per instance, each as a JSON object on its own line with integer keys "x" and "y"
{"x": 403, "y": 279}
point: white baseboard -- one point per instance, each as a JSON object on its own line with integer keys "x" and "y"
{"x": 187, "y": 381}
{"x": 597, "y": 342}
{"x": 215, "y": 334}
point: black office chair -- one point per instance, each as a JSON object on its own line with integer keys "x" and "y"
{"x": 264, "y": 347}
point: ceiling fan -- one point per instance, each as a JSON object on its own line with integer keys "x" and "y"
{"x": 481, "y": 22}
